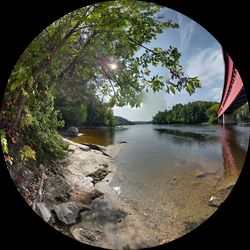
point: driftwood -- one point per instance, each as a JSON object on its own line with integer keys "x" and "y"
{"x": 39, "y": 196}
{"x": 86, "y": 146}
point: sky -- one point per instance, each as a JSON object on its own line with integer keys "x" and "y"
{"x": 201, "y": 56}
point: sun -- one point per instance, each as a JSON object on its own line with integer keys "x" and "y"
{"x": 113, "y": 66}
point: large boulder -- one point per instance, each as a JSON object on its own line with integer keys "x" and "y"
{"x": 72, "y": 131}
{"x": 67, "y": 212}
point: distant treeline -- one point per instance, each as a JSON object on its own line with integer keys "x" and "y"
{"x": 142, "y": 122}
{"x": 191, "y": 113}
{"x": 122, "y": 121}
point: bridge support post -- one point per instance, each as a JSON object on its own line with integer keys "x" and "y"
{"x": 228, "y": 119}
{"x": 220, "y": 120}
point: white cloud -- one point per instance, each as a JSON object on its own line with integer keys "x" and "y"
{"x": 185, "y": 30}
{"x": 215, "y": 94}
{"x": 208, "y": 65}
{"x": 151, "y": 104}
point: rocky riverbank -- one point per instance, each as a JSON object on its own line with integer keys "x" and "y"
{"x": 75, "y": 197}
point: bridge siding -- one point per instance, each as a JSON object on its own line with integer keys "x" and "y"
{"x": 233, "y": 85}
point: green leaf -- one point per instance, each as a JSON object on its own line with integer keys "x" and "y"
{"x": 157, "y": 50}
{"x": 4, "y": 142}
{"x": 172, "y": 89}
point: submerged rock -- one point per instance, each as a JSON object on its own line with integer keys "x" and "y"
{"x": 200, "y": 174}
{"x": 85, "y": 235}
{"x": 72, "y": 131}
{"x": 122, "y": 142}
{"x": 67, "y": 212}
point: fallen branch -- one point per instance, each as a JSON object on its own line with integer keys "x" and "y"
{"x": 40, "y": 191}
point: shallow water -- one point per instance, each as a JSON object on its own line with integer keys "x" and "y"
{"x": 168, "y": 173}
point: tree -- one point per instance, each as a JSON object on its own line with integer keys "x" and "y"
{"x": 191, "y": 113}
{"x": 160, "y": 118}
{"x": 75, "y": 54}
{"x": 211, "y": 113}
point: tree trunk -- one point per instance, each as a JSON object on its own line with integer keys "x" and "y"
{"x": 21, "y": 102}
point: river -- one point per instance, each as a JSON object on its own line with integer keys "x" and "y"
{"x": 169, "y": 172}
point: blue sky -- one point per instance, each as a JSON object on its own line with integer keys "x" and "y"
{"x": 201, "y": 56}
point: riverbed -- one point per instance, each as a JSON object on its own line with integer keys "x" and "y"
{"x": 170, "y": 174}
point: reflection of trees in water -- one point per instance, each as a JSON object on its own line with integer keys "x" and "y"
{"x": 233, "y": 154}
{"x": 187, "y": 138}
{"x": 101, "y": 136}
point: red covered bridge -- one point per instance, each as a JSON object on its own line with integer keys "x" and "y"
{"x": 234, "y": 95}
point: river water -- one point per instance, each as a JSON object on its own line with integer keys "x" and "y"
{"x": 168, "y": 173}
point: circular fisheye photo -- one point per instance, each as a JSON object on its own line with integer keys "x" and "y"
{"x": 124, "y": 125}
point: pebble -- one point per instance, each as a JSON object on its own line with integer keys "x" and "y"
{"x": 214, "y": 202}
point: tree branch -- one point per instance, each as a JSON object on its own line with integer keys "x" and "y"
{"x": 132, "y": 40}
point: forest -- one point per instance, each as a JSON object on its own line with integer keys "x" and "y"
{"x": 78, "y": 68}
{"x": 191, "y": 113}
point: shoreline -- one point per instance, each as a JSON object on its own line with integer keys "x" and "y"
{"x": 83, "y": 205}
{"x": 109, "y": 222}
{"x": 78, "y": 199}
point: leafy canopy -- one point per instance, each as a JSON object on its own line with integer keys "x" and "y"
{"x": 87, "y": 53}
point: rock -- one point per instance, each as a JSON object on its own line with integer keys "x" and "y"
{"x": 173, "y": 181}
{"x": 201, "y": 175}
{"x": 60, "y": 198}
{"x": 67, "y": 212}
{"x": 43, "y": 211}
{"x": 72, "y": 148}
{"x": 42, "y": 168}
{"x": 44, "y": 176}
{"x": 84, "y": 147}
{"x": 104, "y": 165}
{"x": 214, "y": 202}
{"x": 82, "y": 183}
{"x": 117, "y": 189}
{"x": 85, "y": 235}
{"x": 72, "y": 131}
{"x": 98, "y": 175}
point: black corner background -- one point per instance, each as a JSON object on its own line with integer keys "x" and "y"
{"x": 21, "y": 21}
